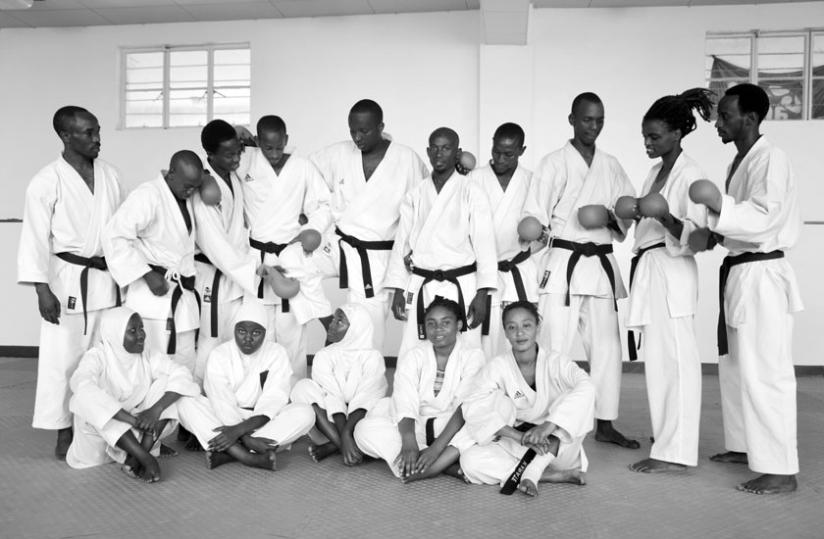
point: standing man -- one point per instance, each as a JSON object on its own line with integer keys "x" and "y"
{"x": 445, "y": 246}
{"x": 506, "y": 184}
{"x": 369, "y": 177}
{"x": 150, "y": 246}
{"x": 225, "y": 266}
{"x": 580, "y": 282}
{"x": 67, "y": 206}
{"x": 759, "y": 219}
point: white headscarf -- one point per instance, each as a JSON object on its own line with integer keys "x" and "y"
{"x": 359, "y": 334}
{"x": 129, "y": 375}
{"x": 252, "y": 310}
{"x": 113, "y": 330}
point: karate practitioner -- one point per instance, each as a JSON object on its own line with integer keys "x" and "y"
{"x": 278, "y": 187}
{"x": 759, "y": 219}
{"x": 445, "y": 246}
{"x": 247, "y": 382}
{"x": 348, "y": 378}
{"x": 127, "y": 397}
{"x": 369, "y": 176}
{"x": 418, "y": 431}
{"x": 664, "y": 284}
{"x": 529, "y": 411}
{"x": 580, "y": 281}
{"x": 506, "y": 184}
{"x": 224, "y": 263}
{"x": 149, "y": 243}
{"x": 67, "y": 206}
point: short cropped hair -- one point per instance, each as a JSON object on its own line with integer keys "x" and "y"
{"x": 510, "y": 130}
{"x": 751, "y": 98}
{"x": 215, "y": 133}
{"x": 585, "y": 96}
{"x": 63, "y": 117}
{"x": 368, "y": 106}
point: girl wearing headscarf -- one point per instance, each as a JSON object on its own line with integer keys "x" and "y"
{"x": 418, "y": 431}
{"x": 348, "y": 378}
{"x": 247, "y": 382}
{"x": 125, "y": 399}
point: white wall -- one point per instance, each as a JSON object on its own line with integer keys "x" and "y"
{"x": 426, "y": 70}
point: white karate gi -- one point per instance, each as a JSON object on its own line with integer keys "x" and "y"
{"x": 413, "y": 396}
{"x": 241, "y": 386}
{"x": 273, "y": 204}
{"x": 62, "y": 215}
{"x": 760, "y": 213}
{"x": 443, "y": 231}
{"x": 109, "y": 379}
{"x": 367, "y": 210}
{"x": 662, "y": 302}
{"x": 561, "y": 184}
{"x": 222, "y": 237}
{"x": 149, "y": 229}
{"x": 507, "y": 211}
{"x": 499, "y": 396}
{"x": 346, "y": 376}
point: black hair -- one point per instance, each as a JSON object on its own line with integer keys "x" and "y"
{"x": 447, "y": 304}
{"x": 64, "y": 116}
{"x": 677, "y": 110}
{"x": 510, "y": 130}
{"x": 528, "y": 306}
{"x": 185, "y": 158}
{"x": 445, "y": 132}
{"x": 368, "y": 106}
{"x": 751, "y": 98}
{"x": 585, "y": 96}
{"x": 215, "y": 133}
{"x": 271, "y": 123}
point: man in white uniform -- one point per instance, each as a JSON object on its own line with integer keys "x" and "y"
{"x": 445, "y": 246}
{"x": 369, "y": 177}
{"x": 759, "y": 219}
{"x": 150, "y": 246}
{"x": 225, "y": 266}
{"x": 66, "y": 207}
{"x": 580, "y": 281}
{"x": 278, "y": 188}
{"x": 506, "y": 184}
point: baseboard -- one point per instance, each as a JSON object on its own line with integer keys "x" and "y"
{"x": 636, "y": 367}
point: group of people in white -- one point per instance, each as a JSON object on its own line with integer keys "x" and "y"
{"x": 185, "y": 303}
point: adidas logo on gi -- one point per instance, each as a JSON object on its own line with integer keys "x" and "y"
{"x": 519, "y": 395}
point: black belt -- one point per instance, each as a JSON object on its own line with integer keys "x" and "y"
{"x": 200, "y": 257}
{"x": 94, "y": 262}
{"x": 430, "y": 431}
{"x": 183, "y": 283}
{"x": 514, "y": 479}
{"x": 366, "y": 270}
{"x": 724, "y": 272}
{"x": 508, "y": 266}
{"x": 587, "y": 249}
{"x": 633, "y": 350}
{"x": 276, "y": 249}
{"x": 442, "y": 275}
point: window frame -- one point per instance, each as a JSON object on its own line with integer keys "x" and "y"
{"x": 210, "y": 49}
{"x": 808, "y": 34}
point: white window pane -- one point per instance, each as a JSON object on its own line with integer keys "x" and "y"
{"x": 187, "y": 107}
{"x": 144, "y": 120}
{"x": 144, "y": 102}
{"x": 236, "y": 119}
{"x": 232, "y": 56}
{"x": 184, "y": 120}
{"x": 786, "y": 99}
{"x": 143, "y": 60}
{"x": 232, "y": 67}
{"x": 780, "y": 56}
{"x": 818, "y": 55}
{"x": 732, "y": 53}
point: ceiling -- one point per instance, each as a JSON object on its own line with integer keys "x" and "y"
{"x": 108, "y": 12}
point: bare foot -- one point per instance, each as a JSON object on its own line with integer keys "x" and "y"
{"x": 258, "y": 445}
{"x": 607, "y": 433}
{"x": 731, "y": 457}
{"x": 411, "y": 478}
{"x": 151, "y": 470}
{"x": 166, "y": 451}
{"x": 131, "y": 470}
{"x": 266, "y": 461}
{"x": 573, "y": 477}
{"x": 769, "y": 484}
{"x": 64, "y": 440}
{"x": 352, "y": 456}
{"x": 454, "y": 470}
{"x": 655, "y": 466}
{"x": 528, "y": 487}
{"x": 217, "y": 458}
{"x": 320, "y": 452}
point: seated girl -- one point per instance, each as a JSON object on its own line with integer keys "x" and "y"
{"x": 247, "y": 382}
{"x": 529, "y": 411}
{"x": 348, "y": 378}
{"x": 125, "y": 399}
{"x": 418, "y": 431}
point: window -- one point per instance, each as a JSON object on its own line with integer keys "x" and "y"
{"x": 788, "y": 65}
{"x": 185, "y": 86}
